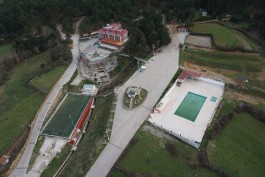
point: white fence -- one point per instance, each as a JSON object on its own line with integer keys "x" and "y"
{"x": 212, "y": 81}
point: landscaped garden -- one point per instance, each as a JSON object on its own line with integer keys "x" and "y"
{"x": 134, "y": 97}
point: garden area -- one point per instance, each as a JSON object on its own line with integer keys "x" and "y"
{"x": 134, "y": 97}
{"x": 225, "y": 38}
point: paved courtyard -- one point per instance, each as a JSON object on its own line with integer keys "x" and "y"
{"x": 187, "y": 130}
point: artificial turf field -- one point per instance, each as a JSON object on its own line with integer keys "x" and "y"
{"x": 190, "y": 106}
{"x": 65, "y": 118}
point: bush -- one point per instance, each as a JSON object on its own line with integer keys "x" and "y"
{"x": 180, "y": 46}
{"x": 171, "y": 149}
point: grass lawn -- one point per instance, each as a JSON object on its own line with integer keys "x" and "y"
{"x": 237, "y": 25}
{"x": 150, "y": 156}
{"x": 19, "y": 104}
{"x": 89, "y": 148}
{"x": 239, "y": 149}
{"x": 47, "y": 80}
{"x": 224, "y": 37}
{"x": 5, "y": 52}
{"x": 223, "y": 60}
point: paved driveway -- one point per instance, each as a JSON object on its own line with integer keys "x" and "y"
{"x": 22, "y": 166}
{"x": 126, "y": 122}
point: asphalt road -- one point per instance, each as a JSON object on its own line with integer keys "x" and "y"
{"x": 155, "y": 79}
{"x": 21, "y": 169}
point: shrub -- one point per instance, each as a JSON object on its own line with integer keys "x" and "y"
{"x": 171, "y": 149}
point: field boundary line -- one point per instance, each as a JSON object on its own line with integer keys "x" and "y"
{"x": 55, "y": 111}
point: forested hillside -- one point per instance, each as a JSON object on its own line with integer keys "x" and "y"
{"x": 28, "y": 16}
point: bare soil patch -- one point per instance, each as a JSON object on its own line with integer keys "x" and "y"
{"x": 200, "y": 41}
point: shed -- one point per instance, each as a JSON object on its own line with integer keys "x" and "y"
{"x": 89, "y": 88}
{"x": 204, "y": 13}
{"x": 4, "y": 160}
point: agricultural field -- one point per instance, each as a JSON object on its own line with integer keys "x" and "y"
{"x": 238, "y": 150}
{"x": 46, "y": 81}
{"x": 240, "y": 62}
{"x": 15, "y": 98}
{"x": 224, "y": 37}
{"x": 149, "y": 155}
{"x": 5, "y": 52}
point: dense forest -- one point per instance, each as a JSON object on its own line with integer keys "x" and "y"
{"x": 30, "y": 25}
{"x": 28, "y": 16}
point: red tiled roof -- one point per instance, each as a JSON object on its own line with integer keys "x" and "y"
{"x": 186, "y": 73}
{"x": 74, "y": 137}
{"x": 114, "y": 29}
{"x": 85, "y": 114}
{"x": 108, "y": 41}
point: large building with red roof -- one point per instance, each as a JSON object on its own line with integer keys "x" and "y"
{"x": 113, "y": 34}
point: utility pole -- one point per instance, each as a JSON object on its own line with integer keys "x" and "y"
{"x": 153, "y": 46}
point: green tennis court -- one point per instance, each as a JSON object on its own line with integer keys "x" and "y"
{"x": 190, "y": 106}
{"x": 66, "y": 117}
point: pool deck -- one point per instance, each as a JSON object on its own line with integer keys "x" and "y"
{"x": 186, "y": 130}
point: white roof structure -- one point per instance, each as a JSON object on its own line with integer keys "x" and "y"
{"x": 89, "y": 87}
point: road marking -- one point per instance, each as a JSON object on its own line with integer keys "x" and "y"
{"x": 116, "y": 146}
{"x": 147, "y": 108}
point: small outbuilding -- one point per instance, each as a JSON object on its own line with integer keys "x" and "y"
{"x": 182, "y": 29}
{"x": 4, "y": 160}
{"x": 90, "y": 89}
{"x": 204, "y": 14}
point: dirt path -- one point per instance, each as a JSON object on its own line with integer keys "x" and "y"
{"x": 78, "y": 24}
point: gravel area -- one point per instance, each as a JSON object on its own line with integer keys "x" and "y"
{"x": 199, "y": 41}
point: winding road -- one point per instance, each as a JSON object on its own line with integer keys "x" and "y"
{"x": 21, "y": 169}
